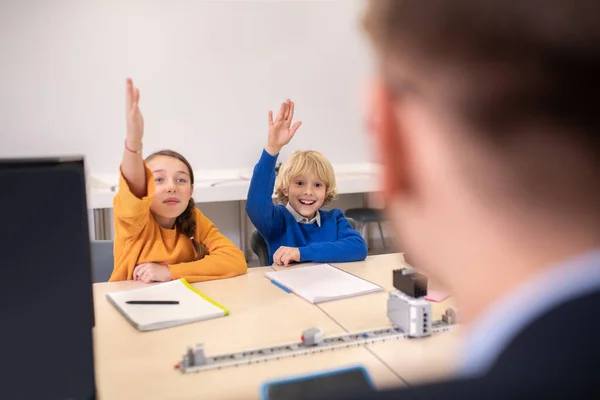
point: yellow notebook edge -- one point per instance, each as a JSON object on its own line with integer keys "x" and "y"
{"x": 205, "y": 297}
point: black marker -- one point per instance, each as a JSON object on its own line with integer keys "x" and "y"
{"x": 152, "y": 302}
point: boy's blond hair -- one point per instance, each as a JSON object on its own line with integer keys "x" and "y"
{"x": 301, "y": 162}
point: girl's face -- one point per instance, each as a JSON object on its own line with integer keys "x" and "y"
{"x": 173, "y": 189}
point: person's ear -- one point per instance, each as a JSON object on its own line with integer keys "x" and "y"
{"x": 389, "y": 141}
{"x": 285, "y": 191}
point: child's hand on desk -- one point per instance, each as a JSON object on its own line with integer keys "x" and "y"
{"x": 281, "y": 130}
{"x": 152, "y": 272}
{"x": 285, "y": 255}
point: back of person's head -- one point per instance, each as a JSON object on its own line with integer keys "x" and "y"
{"x": 516, "y": 73}
{"x": 485, "y": 114}
{"x": 301, "y": 163}
{"x": 185, "y": 222}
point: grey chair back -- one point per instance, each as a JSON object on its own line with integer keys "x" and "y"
{"x": 102, "y": 260}
{"x": 259, "y": 247}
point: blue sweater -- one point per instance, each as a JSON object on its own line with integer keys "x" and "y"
{"x": 333, "y": 241}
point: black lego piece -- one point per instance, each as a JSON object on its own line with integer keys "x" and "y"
{"x": 410, "y": 283}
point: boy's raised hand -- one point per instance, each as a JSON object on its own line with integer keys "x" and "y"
{"x": 281, "y": 131}
{"x": 135, "y": 121}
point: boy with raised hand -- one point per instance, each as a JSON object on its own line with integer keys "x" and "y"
{"x": 298, "y": 230}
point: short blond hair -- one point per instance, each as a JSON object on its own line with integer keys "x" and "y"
{"x": 300, "y": 163}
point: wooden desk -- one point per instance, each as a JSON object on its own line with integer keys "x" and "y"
{"x": 415, "y": 360}
{"x": 369, "y": 311}
{"x": 132, "y": 364}
{"x": 421, "y": 360}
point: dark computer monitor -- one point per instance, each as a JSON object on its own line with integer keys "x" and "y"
{"x": 46, "y": 304}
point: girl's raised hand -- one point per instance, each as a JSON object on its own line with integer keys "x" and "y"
{"x": 135, "y": 121}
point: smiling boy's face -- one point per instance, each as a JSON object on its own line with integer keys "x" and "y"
{"x": 173, "y": 189}
{"x": 306, "y": 194}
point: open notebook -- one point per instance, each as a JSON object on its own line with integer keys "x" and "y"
{"x": 193, "y": 305}
{"x": 320, "y": 283}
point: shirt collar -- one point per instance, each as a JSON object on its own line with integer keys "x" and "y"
{"x": 301, "y": 219}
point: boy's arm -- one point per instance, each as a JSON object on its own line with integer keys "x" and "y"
{"x": 224, "y": 259}
{"x": 259, "y": 205}
{"x": 350, "y": 245}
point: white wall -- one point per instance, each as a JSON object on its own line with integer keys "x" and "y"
{"x": 208, "y": 72}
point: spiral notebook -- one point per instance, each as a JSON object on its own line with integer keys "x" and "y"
{"x": 320, "y": 283}
{"x": 193, "y": 305}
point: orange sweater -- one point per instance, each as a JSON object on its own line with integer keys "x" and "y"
{"x": 139, "y": 239}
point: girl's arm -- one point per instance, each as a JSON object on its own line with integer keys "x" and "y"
{"x": 132, "y": 165}
{"x": 224, "y": 259}
{"x": 131, "y": 205}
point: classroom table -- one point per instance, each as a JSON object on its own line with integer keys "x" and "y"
{"x": 416, "y": 361}
{"x": 133, "y": 364}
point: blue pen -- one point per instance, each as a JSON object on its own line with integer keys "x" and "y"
{"x": 279, "y": 285}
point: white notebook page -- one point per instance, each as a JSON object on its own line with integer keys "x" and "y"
{"x": 322, "y": 282}
{"x": 191, "y": 307}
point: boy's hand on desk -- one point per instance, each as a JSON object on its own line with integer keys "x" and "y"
{"x": 286, "y": 255}
{"x": 281, "y": 130}
{"x": 152, "y": 272}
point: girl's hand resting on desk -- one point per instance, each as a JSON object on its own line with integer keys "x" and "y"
{"x": 152, "y": 272}
{"x": 281, "y": 130}
{"x": 285, "y": 255}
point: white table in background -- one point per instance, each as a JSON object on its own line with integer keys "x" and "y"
{"x": 221, "y": 186}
